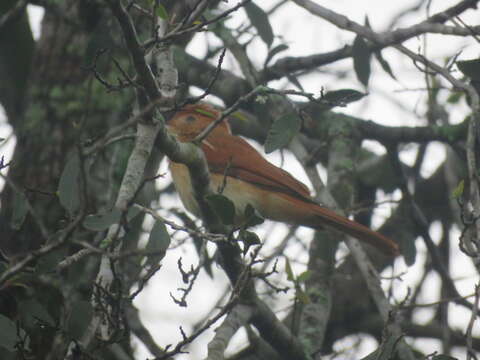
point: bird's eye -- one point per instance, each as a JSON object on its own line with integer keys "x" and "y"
{"x": 190, "y": 119}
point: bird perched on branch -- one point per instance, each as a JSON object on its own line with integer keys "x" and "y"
{"x": 248, "y": 178}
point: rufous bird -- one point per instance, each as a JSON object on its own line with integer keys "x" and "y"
{"x": 248, "y": 178}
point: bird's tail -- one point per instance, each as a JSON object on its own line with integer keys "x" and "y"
{"x": 328, "y": 218}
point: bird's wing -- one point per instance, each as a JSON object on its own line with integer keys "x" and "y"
{"x": 233, "y": 156}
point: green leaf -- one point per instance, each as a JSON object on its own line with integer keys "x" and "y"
{"x": 240, "y": 116}
{"x": 162, "y": 12}
{"x": 274, "y": 51}
{"x": 343, "y": 96}
{"x": 304, "y": 276}
{"x": 101, "y": 222}
{"x": 470, "y": 68}
{"x": 68, "y": 186}
{"x": 289, "y": 271}
{"x": 132, "y": 212}
{"x": 252, "y": 217}
{"x": 282, "y": 131}
{"x": 223, "y": 208}
{"x": 455, "y": 97}
{"x": 8, "y": 339}
{"x": 205, "y": 112}
{"x": 79, "y": 318}
{"x": 361, "y": 59}
{"x": 158, "y": 241}
{"x": 260, "y": 21}
{"x": 20, "y": 210}
{"x": 302, "y": 296}
{"x": 458, "y": 191}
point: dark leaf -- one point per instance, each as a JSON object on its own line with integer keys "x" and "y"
{"x": 100, "y": 222}
{"x": 361, "y": 59}
{"x": 385, "y": 351}
{"x": 8, "y": 330}
{"x": 98, "y": 41}
{"x": 50, "y": 261}
{"x": 79, "y": 319}
{"x": 293, "y": 79}
{"x": 132, "y": 212}
{"x": 378, "y": 54}
{"x": 249, "y": 238}
{"x": 68, "y": 186}
{"x": 408, "y": 250}
{"x": 252, "y": 217}
{"x": 158, "y": 242}
{"x": 384, "y": 64}
{"x": 282, "y": 131}
{"x": 343, "y": 96}
{"x": 20, "y": 210}
{"x": 223, "y": 207}
{"x": 33, "y": 313}
{"x": 443, "y": 357}
{"x": 8, "y": 355}
{"x": 367, "y": 22}
{"x": 260, "y": 21}
{"x": 470, "y": 68}
{"x": 289, "y": 271}
{"x": 274, "y": 51}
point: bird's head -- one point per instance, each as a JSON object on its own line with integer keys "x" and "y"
{"x": 191, "y": 120}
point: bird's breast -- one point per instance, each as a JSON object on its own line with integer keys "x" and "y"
{"x": 240, "y": 192}
{"x": 183, "y": 185}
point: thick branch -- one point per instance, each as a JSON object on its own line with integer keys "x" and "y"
{"x": 408, "y": 134}
{"x": 387, "y": 38}
{"x": 432, "y": 24}
{"x": 238, "y": 317}
{"x": 144, "y": 72}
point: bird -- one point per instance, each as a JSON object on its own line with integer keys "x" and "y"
{"x": 247, "y": 178}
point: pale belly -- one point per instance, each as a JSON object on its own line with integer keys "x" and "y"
{"x": 239, "y": 192}
{"x": 270, "y": 204}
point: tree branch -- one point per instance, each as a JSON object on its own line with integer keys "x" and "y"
{"x": 290, "y": 65}
{"x": 238, "y": 317}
